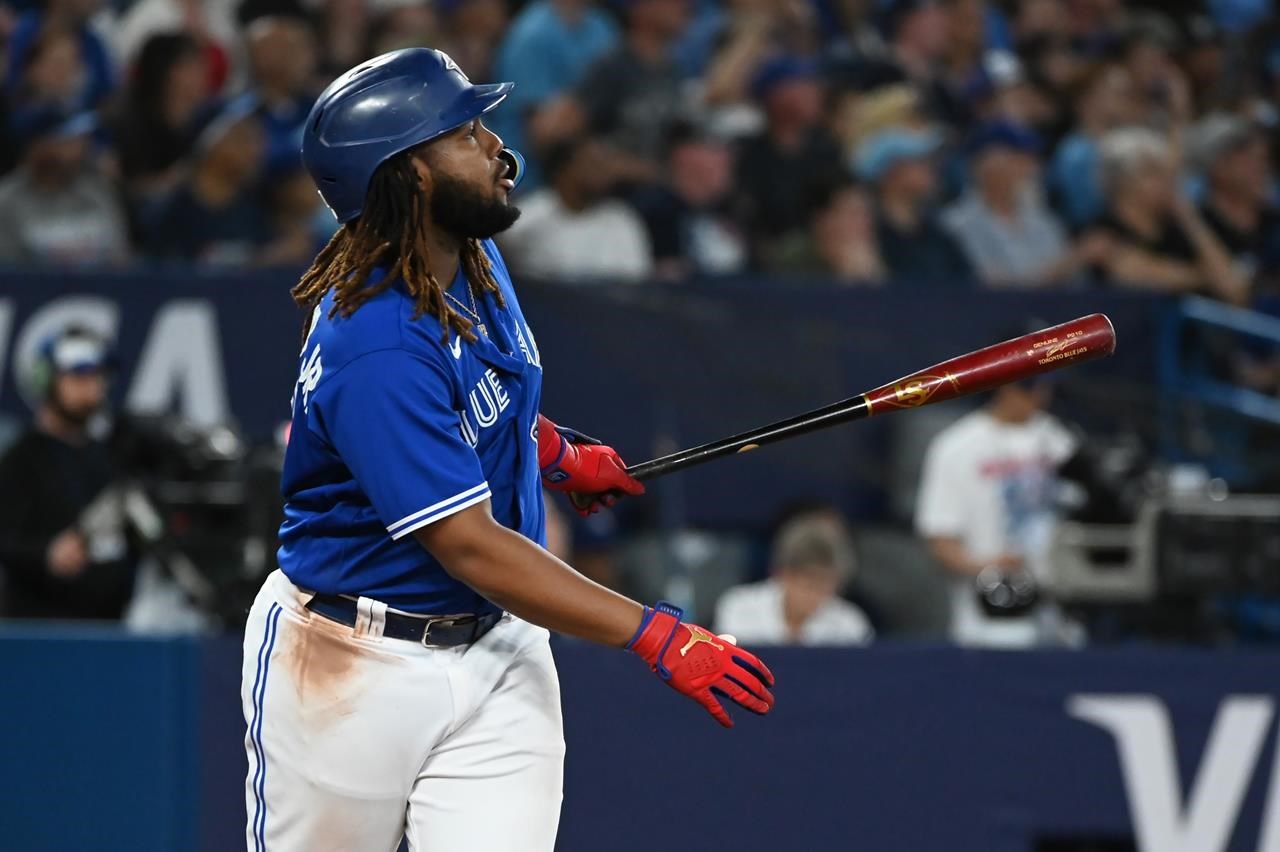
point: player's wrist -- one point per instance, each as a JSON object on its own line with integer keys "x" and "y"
{"x": 551, "y": 446}
{"x": 652, "y": 638}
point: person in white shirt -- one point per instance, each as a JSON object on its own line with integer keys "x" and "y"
{"x": 987, "y": 500}
{"x": 571, "y": 230}
{"x": 800, "y": 603}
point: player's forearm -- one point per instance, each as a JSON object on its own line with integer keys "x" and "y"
{"x": 526, "y": 580}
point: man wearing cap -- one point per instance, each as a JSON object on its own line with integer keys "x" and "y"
{"x": 215, "y": 216}
{"x": 58, "y": 207}
{"x": 915, "y": 247}
{"x": 53, "y": 567}
{"x": 782, "y": 171}
{"x": 1002, "y": 223}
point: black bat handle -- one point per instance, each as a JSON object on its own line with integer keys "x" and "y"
{"x": 854, "y": 408}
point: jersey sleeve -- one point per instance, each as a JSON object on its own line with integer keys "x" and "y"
{"x": 389, "y": 416}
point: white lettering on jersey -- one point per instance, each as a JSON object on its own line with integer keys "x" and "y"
{"x": 309, "y": 377}
{"x": 499, "y": 392}
{"x": 468, "y": 434}
{"x": 486, "y": 401}
{"x": 528, "y": 346}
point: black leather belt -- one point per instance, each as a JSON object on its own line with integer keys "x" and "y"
{"x": 433, "y": 631}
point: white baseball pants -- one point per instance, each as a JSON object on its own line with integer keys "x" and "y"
{"x": 355, "y": 740}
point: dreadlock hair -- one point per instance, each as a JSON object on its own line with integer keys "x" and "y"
{"x": 391, "y": 230}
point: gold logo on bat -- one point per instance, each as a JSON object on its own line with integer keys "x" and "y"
{"x": 696, "y": 635}
{"x": 918, "y": 391}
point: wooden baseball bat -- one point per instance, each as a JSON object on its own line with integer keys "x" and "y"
{"x": 1073, "y": 342}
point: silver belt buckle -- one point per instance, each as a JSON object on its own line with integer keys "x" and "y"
{"x": 439, "y": 619}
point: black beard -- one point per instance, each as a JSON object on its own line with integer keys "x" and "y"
{"x": 463, "y": 211}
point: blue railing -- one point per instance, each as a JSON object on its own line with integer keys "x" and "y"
{"x": 1199, "y": 343}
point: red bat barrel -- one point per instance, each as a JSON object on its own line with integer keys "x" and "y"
{"x": 1014, "y": 360}
{"x": 1072, "y": 342}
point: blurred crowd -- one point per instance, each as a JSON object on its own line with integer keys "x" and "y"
{"x": 878, "y": 143}
{"x": 1011, "y": 143}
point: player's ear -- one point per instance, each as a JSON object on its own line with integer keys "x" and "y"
{"x": 423, "y": 172}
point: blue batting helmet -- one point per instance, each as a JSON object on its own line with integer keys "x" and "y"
{"x": 382, "y": 107}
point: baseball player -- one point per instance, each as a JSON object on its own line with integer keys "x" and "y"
{"x": 397, "y": 677}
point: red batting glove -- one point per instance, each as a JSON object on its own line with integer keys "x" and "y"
{"x": 594, "y": 475}
{"x": 696, "y": 662}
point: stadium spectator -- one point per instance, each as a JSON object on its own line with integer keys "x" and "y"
{"x": 299, "y": 219}
{"x": 470, "y": 31}
{"x": 1001, "y": 90}
{"x": 987, "y": 501}
{"x": 800, "y": 603}
{"x": 860, "y": 116}
{"x": 1042, "y": 42}
{"x": 89, "y": 78}
{"x": 1104, "y": 100}
{"x": 402, "y": 25}
{"x": 1158, "y": 239}
{"x": 55, "y": 565}
{"x": 215, "y": 216}
{"x": 915, "y": 247}
{"x": 571, "y": 230}
{"x": 632, "y": 95}
{"x": 1205, "y": 61}
{"x": 919, "y": 33}
{"x": 724, "y": 46}
{"x": 781, "y": 169}
{"x": 282, "y": 63}
{"x": 58, "y": 207}
{"x": 169, "y": 85}
{"x": 548, "y": 47}
{"x": 961, "y": 64}
{"x": 840, "y": 244}
{"x": 343, "y": 29}
{"x": 53, "y": 74}
{"x": 210, "y": 23}
{"x": 1007, "y": 231}
{"x": 1238, "y": 204}
{"x": 1096, "y": 26}
{"x": 687, "y": 216}
{"x": 1164, "y": 95}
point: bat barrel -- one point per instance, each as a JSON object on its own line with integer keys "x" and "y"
{"x": 1015, "y": 360}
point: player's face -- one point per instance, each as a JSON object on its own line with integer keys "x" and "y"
{"x": 468, "y": 183}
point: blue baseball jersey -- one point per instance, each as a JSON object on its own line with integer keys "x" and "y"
{"x": 394, "y": 428}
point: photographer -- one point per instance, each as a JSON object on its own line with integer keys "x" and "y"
{"x": 57, "y": 562}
